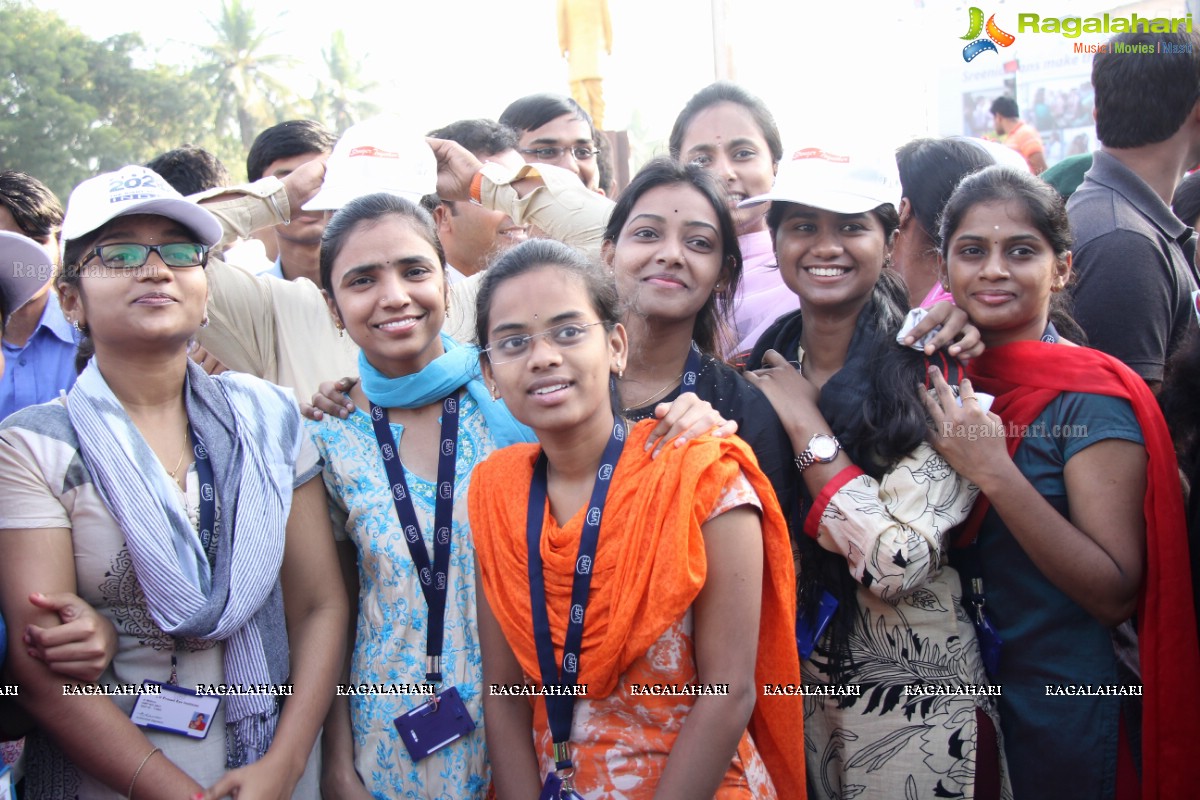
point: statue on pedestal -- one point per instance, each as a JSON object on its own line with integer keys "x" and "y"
{"x": 583, "y": 25}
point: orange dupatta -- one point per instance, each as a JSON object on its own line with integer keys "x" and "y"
{"x": 649, "y": 566}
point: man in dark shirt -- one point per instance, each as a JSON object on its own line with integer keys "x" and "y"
{"x": 1134, "y": 260}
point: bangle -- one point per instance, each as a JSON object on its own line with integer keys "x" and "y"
{"x": 129, "y": 794}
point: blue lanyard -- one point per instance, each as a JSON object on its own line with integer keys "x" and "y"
{"x": 559, "y": 710}
{"x": 434, "y": 583}
{"x": 691, "y": 370}
{"x": 208, "y": 492}
{"x": 208, "y": 519}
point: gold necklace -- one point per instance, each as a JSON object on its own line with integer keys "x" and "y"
{"x": 654, "y": 396}
{"x": 182, "y": 453}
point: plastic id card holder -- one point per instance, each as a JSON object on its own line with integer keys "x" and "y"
{"x": 431, "y": 726}
{"x": 175, "y": 710}
{"x": 6, "y": 787}
{"x": 552, "y": 789}
{"x": 808, "y": 630}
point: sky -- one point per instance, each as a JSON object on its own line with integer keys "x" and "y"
{"x": 854, "y": 73}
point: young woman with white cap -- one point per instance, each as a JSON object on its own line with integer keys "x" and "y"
{"x": 165, "y": 498}
{"x": 879, "y": 610}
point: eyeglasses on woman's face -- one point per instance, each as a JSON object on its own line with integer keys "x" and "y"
{"x": 177, "y": 255}
{"x": 518, "y": 346}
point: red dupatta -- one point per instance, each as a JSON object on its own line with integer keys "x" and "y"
{"x": 1025, "y": 377}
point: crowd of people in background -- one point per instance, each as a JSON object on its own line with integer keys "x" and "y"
{"x": 442, "y": 466}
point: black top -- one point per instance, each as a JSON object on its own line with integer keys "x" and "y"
{"x": 1133, "y": 268}
{"x": 758, "y": 425}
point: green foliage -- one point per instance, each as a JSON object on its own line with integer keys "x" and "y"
{"x": 71, "y": 107}
{"x": 342, "y": 100}
{"x": 249, "y": 95}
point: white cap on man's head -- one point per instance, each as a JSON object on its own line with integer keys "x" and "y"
{"x": 25, "y": 266}
{"x": 134, "y": 190}
{"x": 376, "y": 155}
{"x": 845, "y": 183}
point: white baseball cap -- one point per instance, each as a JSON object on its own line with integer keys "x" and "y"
{"x": 134, "y": 190}
{"x": 377, "y": 155}
{"x": 25, "y": 266}
{"x": 845, "y": 183}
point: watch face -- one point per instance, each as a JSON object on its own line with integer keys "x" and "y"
{"x": 824, "y": 448}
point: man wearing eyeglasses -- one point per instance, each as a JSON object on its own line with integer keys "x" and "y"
{"x": 552, "y": 129}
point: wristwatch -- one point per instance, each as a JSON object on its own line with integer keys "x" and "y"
{"x": 822, "y": 448}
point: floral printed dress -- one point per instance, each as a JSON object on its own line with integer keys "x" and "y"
{"x": 622, "y": 742}
{"x": 389, "y": 644}
{"x": 890, "y": 735}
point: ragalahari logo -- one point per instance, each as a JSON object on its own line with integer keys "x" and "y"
{"x": 995, "y": 36}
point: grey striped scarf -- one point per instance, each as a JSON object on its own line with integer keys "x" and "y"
{"x": 251, "y": 431}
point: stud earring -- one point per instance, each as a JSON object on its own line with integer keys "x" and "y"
{"x": 887, "y": 261}
{"x": 495, "y": 392}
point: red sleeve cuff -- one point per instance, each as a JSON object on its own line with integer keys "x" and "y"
{"x": 813, "y": 520}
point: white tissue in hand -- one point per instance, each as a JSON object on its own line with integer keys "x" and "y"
{"x": 910, "y": 321}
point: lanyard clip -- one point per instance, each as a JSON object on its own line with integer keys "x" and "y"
{"x": 433, "y": 669}
{"x": 564, "y": 768}
{"x": 432, "y": 706}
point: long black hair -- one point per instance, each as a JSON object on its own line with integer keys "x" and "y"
{"x": 874, "y": 407}
{"x": 714, "y": 315}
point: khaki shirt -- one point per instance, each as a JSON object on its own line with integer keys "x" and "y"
{"x": 281, "y": 331}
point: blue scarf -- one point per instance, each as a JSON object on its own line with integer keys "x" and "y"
{"x": 457, "y": 367}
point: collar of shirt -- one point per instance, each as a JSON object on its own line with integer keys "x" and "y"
{"x": 1108, "y": 171}
{"x": 53, "y": 320}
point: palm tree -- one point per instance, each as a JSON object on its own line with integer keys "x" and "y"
{"x": 342, "y": 101}
{"x": 249, "y": 96}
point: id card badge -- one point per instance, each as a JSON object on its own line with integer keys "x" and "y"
{"x": 552, "y": 789}
{"x": 6, "y": 787}
{"x": 175, "y": 710}
{"x": 808, "y": 630}
{"x": 431, "y": 726}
